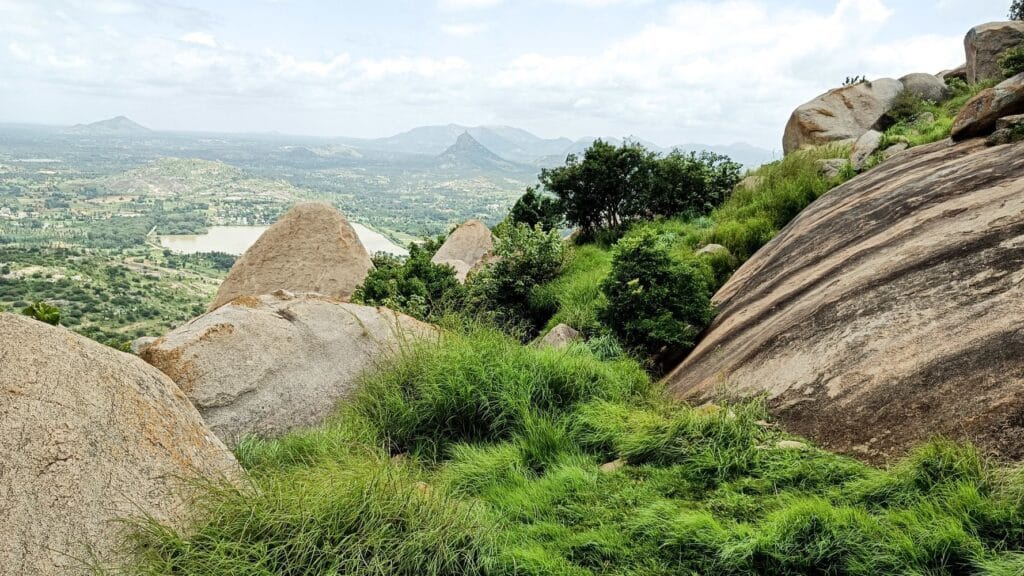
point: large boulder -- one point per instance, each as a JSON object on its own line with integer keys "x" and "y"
{"x": 979, "y": 116}
{"x": 887, "y": 312}
{"x": 312, "y": 248}
{"x": 467, "y": 248}
{"x": 926, "y": 86}
{"x": 985, "y": 44}
{"x": 842, "y": 115}
{"x": 270, "y": 364}
{"x": 89, "y": 436}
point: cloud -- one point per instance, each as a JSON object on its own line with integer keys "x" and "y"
{"x": 464, "y": 29}
{"x": 200, "y": 38}
{"x": 455, "y": 5}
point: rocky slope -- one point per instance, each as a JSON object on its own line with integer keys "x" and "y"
{"x": 888, "y": 312}
{"x": 88, "y": 436}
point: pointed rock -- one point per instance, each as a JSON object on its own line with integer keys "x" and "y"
{"x": 89, "y": 436}
{"x": 560, "y": 336}
{"x": 466, "y": 248}
{"x": 312, "y": 248}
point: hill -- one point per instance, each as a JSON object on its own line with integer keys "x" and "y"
{"x": 117, "y": 126}
{"x": 468, "y": 153}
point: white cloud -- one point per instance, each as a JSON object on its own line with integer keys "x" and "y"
{"x": 200, "y": 38}
{"x": 453, "y": 5}
{"x": 463, "y": 29}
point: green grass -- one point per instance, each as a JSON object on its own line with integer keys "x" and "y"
{"x": 923, "y": 129}
{"x": 577, "y": 292}
{"x": 477, "y": 455}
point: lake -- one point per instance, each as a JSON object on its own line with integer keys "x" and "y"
{"x": 237, "y": 239}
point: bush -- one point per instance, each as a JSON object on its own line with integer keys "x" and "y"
{"x": 526, "y": 258}
{"x": 43, "y": 312}
{"x": 654, "y": 301}
{"x": 415, "y": 286}
{"x": 1012, "y": 61}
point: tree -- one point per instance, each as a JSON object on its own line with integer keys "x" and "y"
{"x": 691, "y": 184}
{"x": 533, "y": 208}
{"x": 415, "y": 286}
{"x": 655, "y": 302}
{"x": 1017, "y": 10}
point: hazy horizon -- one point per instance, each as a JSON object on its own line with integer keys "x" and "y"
{"x": 707, "y": 72}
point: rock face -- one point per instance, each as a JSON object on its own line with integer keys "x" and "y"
{"x": 926, "y": 86}
{"x": 887, "y": 312}
{"x": 985, "y": 44}
{"x": 466, "y": 248}
{"x": 841, "y": 115}
{"x": 266, "y": 365}
{"x": 979, "y": 116}
{"x": 88, "y": 435}
{"x": 865, "y": 146}
{"x": 960, "y": 73}
{"x": 312, "y": 248}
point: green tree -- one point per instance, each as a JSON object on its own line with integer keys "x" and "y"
{"x": 655, "y": 302}
{"x": 1017, "y": 10}
{"x": 43, "y": 312}
{"x": 690, "y": 184}
{"x": 534, "y": 208}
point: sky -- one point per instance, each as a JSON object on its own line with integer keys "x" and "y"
{"x": 672, "y": 72}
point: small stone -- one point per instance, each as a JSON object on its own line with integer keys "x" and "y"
{"x": 790, "y": 445}
{"x": 613, "y": 466}
{"x": 866, "y": 146}
{"x": 424, "y": 488}
{"x": 894, "y": 150}
{"x": 833, "y": 167}
{"x": 560, "y": 336}
{"x": 283, "y": 295}
{"x": 140, "y": 344}
{"x": 713, "y": 249}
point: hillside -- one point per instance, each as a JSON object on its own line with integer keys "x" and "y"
{"x": 468, "y": 153}
{"x": 118, "y": 126}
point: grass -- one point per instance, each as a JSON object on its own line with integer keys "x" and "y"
{"x": 931, "y": 122}
{"x": 477, "y": 455}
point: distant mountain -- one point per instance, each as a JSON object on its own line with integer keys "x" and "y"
{"x": 511, "y": 143}
{"x": 467, "y": 152}
{"x": 117, "y": 126}
{"x": 749, "y": 156}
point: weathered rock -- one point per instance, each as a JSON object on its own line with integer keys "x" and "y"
{"x": 960, "y": 73}
{"x": 979, "y": 116}
{"x": 926, "y": 86}
{"x": 790, "y": 445}
{"x": 560, "y": 336}
{"x": 312, "y": 248}
{"x": 466, "y": 248}
{"x": 890, "y": 308}
{"x": 832, "y": 167}
{"x": 866, "y": 146}
{"x": 985, "y": 44}
{"x": 266, "y": 365}
{"x": 894, "y": 150}
{"x": 713, "y": 249}
{"x": 841, "y": 115}
{"x": 88, "y": 436}
{"x": 139, "y": 344}
{"x": 1010, "y": 122}
{"x": 613, "y": 466}
{"x": 1008, "y": 130}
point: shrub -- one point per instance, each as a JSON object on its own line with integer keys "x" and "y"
{"x": 1012, "y": 61}
{"x": 43, "y": 312}
{"x": 526, "y": 258}
{"x": 415, "y": 286}
{"x": 654, "y": 301}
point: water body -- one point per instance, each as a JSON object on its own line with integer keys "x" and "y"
{"x": 237, "y": 239}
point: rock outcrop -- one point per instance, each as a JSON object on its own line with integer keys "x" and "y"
{"x": 266, "y": 365}
{"x": 560, "y": 336}
{"x": 466, "y": 248}
{"x": 841, "y": 115}
{"x": 979, "y": 116}
{"x": 88, "y": 436}
{"x": 985, "y": 44}
{"x": 865, "y": 146}
{"x": 926, "y": 86}
{"x": 312, "y": 248}
{"x": 889, "y": 311}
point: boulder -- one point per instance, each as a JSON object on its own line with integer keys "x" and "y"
{"x": 139, "y": 344}
{"x": 960, "y": 73}
{"x": 894, "y": 150}
{"x": 560, "y": 336}
{"x": 1008, "y": 129}
{"x": 467, "y": 248}
{"x": 985, "y": 44}
{"x": 841, "y": 115}
{"x": 865, "y": 146}
{"x": 979, "y": 116}
{"x": 889, "y": 309}
{"x": 89, "y": 436}
{"x": 312, "y": 248}
{"x": 267, "y": 365}
{"x": 926, "y": 86}
{"x": 713, "y": 249}
{"x": 832, "y": 167}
